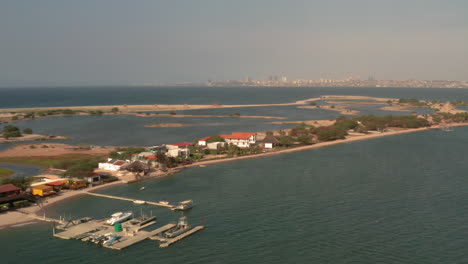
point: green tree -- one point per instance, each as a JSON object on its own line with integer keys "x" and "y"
{"x": 115, "y": 110}
{"x": 215, "y": 138}
{"x": 11, "y": 131}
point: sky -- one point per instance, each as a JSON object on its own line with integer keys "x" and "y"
{"x": 166, "y": 41}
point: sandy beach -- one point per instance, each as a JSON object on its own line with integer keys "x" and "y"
{"x": 31, "y": 213}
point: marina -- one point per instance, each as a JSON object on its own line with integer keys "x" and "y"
{"x": 124, "y": 232}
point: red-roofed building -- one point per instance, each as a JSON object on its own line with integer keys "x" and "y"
{"x": 55, "y": 183}
{"x": 202, "y": 142}
{"x": 240, "y": 139}
{"x": 9, "y": 190}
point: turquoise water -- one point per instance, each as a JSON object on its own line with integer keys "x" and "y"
{"x": 395, "y": 199}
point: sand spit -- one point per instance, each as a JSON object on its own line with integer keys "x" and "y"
{"x": 53, "y": 150}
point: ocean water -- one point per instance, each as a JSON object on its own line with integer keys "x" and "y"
{"x": 77, "y": 96}
{"x": 395, "y": 199}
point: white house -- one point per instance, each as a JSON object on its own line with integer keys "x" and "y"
{"x": 112, "y": 165}
{"x": 203, "y": 142}
{"x": 178, "y": 149}
{"x": 242, "y": 140}
{"x": 269, "y": 142}
{"x": 215, "y": 145}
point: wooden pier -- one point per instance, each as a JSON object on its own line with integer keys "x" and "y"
{"x": 141, "y": 235}
{"x": 129, "y": 199}
{"x": 170, "y": 241}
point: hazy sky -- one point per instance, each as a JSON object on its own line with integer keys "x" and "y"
{"x": 151, "y": 41}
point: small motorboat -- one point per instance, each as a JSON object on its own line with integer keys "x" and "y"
{"x": 142, "y": 188}
{"x": 139, "y": 202}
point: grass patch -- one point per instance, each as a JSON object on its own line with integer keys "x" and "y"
{"x": 5, "y": 172}
{"x": 55, "y": 161}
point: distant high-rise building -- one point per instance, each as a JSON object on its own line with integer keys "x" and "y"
{"x": 284, "y": 79}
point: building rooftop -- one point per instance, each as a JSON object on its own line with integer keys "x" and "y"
{"x": 8, "y": 188}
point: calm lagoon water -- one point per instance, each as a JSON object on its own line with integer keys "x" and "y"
{"x": 390, "y": 200}
{"x": 399, "y": 199}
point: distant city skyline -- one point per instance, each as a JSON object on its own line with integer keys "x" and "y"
{"x": 112, "y": 42}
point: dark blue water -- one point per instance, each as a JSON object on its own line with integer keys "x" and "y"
{"x": 77, "y": 96}
{"x": 395, "y": 199}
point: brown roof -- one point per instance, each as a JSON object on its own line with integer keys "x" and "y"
{"x": 8, "y": 188}
{"x": 270, "y": 139}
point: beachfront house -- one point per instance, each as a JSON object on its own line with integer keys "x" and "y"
{"x": 215, "y": 145}
{"x": 112, "y": 165}
{"x": 269, "y": 142}
{"x": 75, "y": 183}
{"x": 93, "y": 179}
{"x": 178, "y": 149}
{"x": 203, "y": 142}
{"x": 9, "y": 193}
{"x": 42, "y": 190}
{"x": 240, "y": 139}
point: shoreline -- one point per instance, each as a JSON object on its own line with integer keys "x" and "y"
{"x": 325, "y": 144}
{"x": 13, "y": 218}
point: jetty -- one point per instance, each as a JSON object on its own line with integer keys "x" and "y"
{"x": 142, "y": 235}
{"x": 168, "y": 241}
{"x": 162, "y": 204}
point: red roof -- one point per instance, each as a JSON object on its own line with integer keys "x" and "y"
{"x": 235, "y": 136}
{"x": 119, "y": 163}
{"x": 8, "y": 188}
{"x": 244, "y": 133}
{"x": 55, "y": 183}
{"x": 151, "y": 157}
{"x": 181, "y": 144}
{"x": 204, "y": 139}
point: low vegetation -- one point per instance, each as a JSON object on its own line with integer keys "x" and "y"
{"x": 125, "y": 153}
{"x": 5, "y": 172}
{"x": 413, "y": 102}
{"x": 450, "y": 118}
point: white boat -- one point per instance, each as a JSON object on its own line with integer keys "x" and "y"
{"x": 139, "y": 202}
{"x": 164, "y": 202}
{"x": 185, "y": 205}
{"x": 119, "y": 217}
{"x": 142, "y": 188}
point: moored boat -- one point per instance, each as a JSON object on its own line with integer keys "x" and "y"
{"x": 119, "y": 217}
{"x": 181, "y": 227}
{"x": 184, "y": 205}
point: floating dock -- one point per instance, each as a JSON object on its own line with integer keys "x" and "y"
{"x": 140, "y": 236}
{"x": 130, "y": 200}
{"x": 169, "y": 241}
